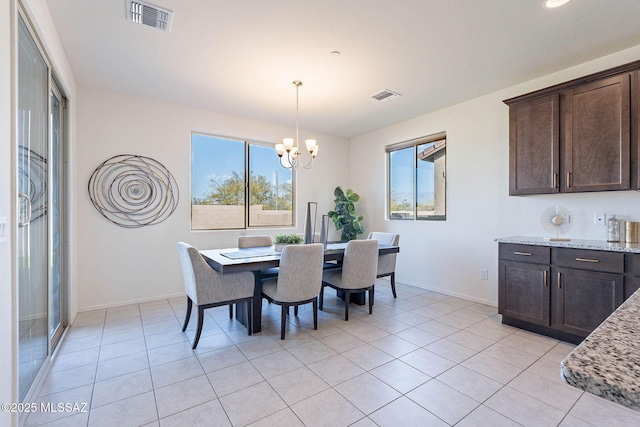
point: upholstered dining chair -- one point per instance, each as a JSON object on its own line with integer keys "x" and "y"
{"x": 298, "y": 282}
{"x": 257, "y": 241}
{"x": 207, "y": 288}
{"x": 387, "y": 262}
{"x": 254, "y": 241}
{"x": 358, "y": 273}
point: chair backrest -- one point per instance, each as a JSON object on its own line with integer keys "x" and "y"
{"x": 204, "y": 285}
{"x": 386, "y": 262}
{"x": 360, "y": 264}
{"x": 254, "y": 241}
{"x": 300, "y": 272}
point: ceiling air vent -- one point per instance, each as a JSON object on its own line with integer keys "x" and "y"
{"x": 385, "y": 95}
{"x": 148, "y": 14}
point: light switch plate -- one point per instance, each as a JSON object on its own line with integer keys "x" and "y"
{"x": 3, "y": 229}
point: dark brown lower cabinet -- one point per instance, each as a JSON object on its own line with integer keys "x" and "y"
{"x": 526, "y": 291}
{"x": 560, "y": 292}
{"x": 583, "y": 299}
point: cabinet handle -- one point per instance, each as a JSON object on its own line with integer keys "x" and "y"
{"x": 555, "y": 180}
{"x": 544, "y": 278}
{"x": 559, "y": 286}
{"x": 522, "y": 253}
{"x": 587, "y": 260}
{"x": 568, "y": 179}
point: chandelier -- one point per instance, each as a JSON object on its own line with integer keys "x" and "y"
{"x": 293, "y": 158}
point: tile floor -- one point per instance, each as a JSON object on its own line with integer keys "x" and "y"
{"x": 424, "y": 359}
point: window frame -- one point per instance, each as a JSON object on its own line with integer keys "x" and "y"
{"x": 247, "y": 176}
{"x": 414, "y": 144}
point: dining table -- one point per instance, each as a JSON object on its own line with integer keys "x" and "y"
{"x": 259, "y": 260}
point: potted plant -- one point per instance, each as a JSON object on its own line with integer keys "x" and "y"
{"x": 281, "y": 240}
{"x": 345, "y": 216}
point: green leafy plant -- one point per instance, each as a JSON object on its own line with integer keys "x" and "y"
{"x": 288, "y": 239}
{"x": 345, "y": 216}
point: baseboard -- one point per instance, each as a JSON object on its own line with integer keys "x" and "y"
{"x": 447, "y": 292}
{"x": 137, "y": 301}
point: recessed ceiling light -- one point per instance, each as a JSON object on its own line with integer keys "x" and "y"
{"x": 555, "y": 3}
{"x": 335, "y": 53}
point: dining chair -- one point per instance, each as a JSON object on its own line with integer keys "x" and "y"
{"x": 358, "y": 273}
{"x": 207, "y": 288}
{"x": 298, "y": 282}
{"x": 254, "y": 241}
{"x": 387, "y": 262}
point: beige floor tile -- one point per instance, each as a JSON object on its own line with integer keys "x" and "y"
{"x": 275, "y": 364}
{"x": 342, "y": 341}
{"x": 427, "y": 362}
{"x": 450, "y": 350}
{"x": 220, "y": 359}
{"x": 367, "y": 393}
{"x": 470, "y": 383}
{"x": 510, "y": 355}
{"x": 443, "y": 401}
{"x": 183, "y": 395}
{"x": 311, "y": 352}
{"x": 483, "y": 416}
{"x": 209, "y": 414}
{"x": 493, "y": 368}
{"x": 80, "y": 395}
{"x": 601, "y": 412}
{"x": 285, "y": 417}
{"x": 335, "y": 369}
{"x": 119, "y": 388}
{"x": 394, "y": 345}
{"x": 400, "y": 375}
{"x": 176, "y": 371}
{"x": 405, "y": 412}
{"x": 560, "y": 396}
{"x": 137, "y": 410}
{"x": 367, "y": 356}
{"x": 298, "y": 385}
{"x": 234, "y": 378}
{"x": 417, "y": 336}
{"x": 327, "y": 408}
{"x": 524, "y": 409}
{"x": 67, "y": 379}
{"x": 252, "y": 404}
{"x": 122, "y": 365}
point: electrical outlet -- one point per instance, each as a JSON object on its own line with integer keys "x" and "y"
{"x": 484, "y": 274}
{"x": 3, "y": 230}
{"x": 599, "y": 219}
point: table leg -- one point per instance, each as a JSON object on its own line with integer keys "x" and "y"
{"x": 257, "y": 305}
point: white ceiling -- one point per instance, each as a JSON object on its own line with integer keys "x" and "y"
{"x": 240, "y": 56}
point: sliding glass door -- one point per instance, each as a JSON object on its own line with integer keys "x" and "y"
{"x": 40, "y": 234}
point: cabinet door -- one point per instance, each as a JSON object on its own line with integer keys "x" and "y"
{"x": 597, "y": 148}
{"x": 523, "y": 291}
{"x": 534, "y": 146}
{"x": 583, "y": 299}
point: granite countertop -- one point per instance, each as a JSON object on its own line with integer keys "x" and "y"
{"x": 593, "y": 245}
{"x": 607, "y": 362}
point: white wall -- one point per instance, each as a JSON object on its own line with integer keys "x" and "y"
{"x": 8, "y": 361}
{"x": 116, "y": 265}
{"x": 448, "y": 255}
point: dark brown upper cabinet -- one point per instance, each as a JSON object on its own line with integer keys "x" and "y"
{"x": 597, "y": 141}
{"x": 577, "y": 136}
{"x": 534, "y": 145}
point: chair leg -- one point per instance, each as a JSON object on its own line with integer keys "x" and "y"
{"x": 249, "y": 303}
{"x": 347, "y": 300}
{"x": 186, "y": 319}
{"x": 200, "y": 322}
{"x": 230, "y": 311}
{"x": 283, "y": 320}
{"x": 371, "y": 291}
{"x": 295, "y": 311}
{"x": 393, "y": 284}
{"x": 373, "y": 288}
{"x": 315, "y": 313}
{"x": 321, "y": 296}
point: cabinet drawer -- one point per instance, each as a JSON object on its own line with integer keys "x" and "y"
{"x": 525, "y": 253}
{"x": 611, "y": 262}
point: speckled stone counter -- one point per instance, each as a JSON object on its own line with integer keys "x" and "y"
{"x": 593, "y": 245}
{"x": 607, "y": 362}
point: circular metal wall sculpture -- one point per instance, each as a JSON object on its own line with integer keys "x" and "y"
{"x": 133, "y": 191}
{"x": 32, "y": 183}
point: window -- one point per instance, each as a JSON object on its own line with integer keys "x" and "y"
{"x": 417, "y": 178}
{"x": 224, "y": 196}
